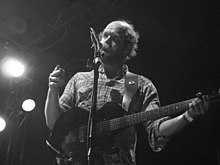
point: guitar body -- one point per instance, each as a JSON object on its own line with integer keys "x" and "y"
{"x": 69, "y": 135}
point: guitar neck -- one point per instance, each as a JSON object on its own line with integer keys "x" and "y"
{"x": 136, "y": 118}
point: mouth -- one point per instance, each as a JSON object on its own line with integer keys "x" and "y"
{"x": 104, "y": 51}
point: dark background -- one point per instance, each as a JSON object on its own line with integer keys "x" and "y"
{"x": 178, "y": 51}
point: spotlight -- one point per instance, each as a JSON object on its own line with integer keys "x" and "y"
{"x": 2, "y": 124}
{"x": 28, "y": 105}
{"x": 13, "y": 67}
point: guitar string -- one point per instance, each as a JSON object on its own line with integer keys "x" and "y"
{"x": 121, "y": 122}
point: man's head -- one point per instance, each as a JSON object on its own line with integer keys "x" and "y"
{"x": 119, "y": 41}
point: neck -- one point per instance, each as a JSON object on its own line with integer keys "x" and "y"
{"x": 111, "y": 71}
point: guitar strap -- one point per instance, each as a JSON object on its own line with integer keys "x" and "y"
{"x": 131, "y": 86}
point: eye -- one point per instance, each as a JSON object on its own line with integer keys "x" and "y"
{"x": 105, "y": 35}
{"x": 115, "y": 38}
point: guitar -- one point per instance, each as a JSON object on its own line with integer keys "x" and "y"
{"x": 69, "y": 136}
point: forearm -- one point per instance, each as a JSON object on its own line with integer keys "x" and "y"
{"x": 52, "y": 108}
{"x": 172, "y": 126}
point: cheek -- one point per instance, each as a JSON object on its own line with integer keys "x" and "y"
{"x": 113, "y": 45}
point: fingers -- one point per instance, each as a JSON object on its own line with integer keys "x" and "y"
{"x": 198, "y": 106}
{"x": 57, "y": 78}
{"x": 57, "y": 67}
{"x": 57, "y": 72}
{"x": 206, "y": 101}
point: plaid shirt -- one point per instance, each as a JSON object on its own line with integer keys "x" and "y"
{"x": 78, "y": 93}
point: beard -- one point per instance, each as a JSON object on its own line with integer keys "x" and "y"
{"x": 116, "y": 58}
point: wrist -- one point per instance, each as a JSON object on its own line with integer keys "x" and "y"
{"x": 52, "y": 91}
{"x": 188, "y": 117}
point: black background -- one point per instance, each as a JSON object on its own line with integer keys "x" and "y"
{"x": 178, "y": 51}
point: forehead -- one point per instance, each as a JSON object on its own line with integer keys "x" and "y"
{"x": 115, "y": 27}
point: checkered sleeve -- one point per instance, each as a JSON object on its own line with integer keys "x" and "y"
{"x": 67, "y": 98}
{"x": 151, "y": 101}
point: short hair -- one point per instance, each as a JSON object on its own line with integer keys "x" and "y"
{"x": 131, "y": 38}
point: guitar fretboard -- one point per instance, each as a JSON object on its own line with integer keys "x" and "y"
{"x": 136, "y": 118}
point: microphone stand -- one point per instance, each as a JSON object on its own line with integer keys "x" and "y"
{"x": 91, "y": 120}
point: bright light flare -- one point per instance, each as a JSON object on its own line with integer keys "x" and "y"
{"x": 13, "y": 68}
{"x": 2, "y": 124}
{"x": 28, "y": 105}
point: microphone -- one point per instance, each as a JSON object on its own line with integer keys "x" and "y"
{"x": 96, "y": 46}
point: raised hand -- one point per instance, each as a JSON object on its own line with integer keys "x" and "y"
{"x": 56, "y": 79}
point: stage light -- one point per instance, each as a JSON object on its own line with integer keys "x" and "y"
{"x": 13, "y": 67}
{"x": 28, "y": 105}
{"x": 2, "y": 124}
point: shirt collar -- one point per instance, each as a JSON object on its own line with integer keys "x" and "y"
{"x": 120, "y": 72}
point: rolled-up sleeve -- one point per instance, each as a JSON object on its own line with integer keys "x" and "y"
{"x": 156, "y": 140}
{"x": 151, "y": 101}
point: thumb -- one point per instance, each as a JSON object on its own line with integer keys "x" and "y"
{"x": 57, "y": 67}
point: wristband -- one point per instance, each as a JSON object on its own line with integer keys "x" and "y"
{"x": 187, "y": 117}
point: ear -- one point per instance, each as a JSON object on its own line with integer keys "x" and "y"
{"x": 127, "y": 50}
{"x": 126, "y": 53}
